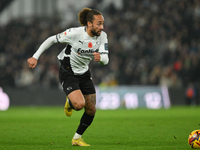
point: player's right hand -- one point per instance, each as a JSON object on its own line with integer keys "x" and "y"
{"x": 32, "y": 62}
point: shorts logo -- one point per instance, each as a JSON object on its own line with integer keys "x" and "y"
{"x": 69, "y": 88}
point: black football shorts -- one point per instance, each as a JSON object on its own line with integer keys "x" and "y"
{"x": 71, "y": 82}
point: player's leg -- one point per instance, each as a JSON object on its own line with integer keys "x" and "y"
{"x": 77, "y": 100}
{"x": 86, "y": 120}
{"x": 89, "y": 113}
{"x": 74, "y": 97}
{"x": 74, "y": 100}
{"x": 69, "y": 84}
{"x": 88, "y": 90}
{"x": 90, "y": 104}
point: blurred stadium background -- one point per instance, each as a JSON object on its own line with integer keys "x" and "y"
{"x": 152, "y": 43}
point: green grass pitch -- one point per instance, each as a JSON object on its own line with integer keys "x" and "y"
{"x": 47, "y": 128}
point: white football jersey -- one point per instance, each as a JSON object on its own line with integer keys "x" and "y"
{"x": 80, "y": 48}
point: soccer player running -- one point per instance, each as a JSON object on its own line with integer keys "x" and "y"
{"x": 84, "y": 43}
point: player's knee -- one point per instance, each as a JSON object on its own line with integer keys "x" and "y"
{"x": 91, "y": 112}
{"x": 79, "y": 106}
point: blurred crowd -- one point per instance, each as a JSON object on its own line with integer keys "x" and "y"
{"x": 153, "y": 42}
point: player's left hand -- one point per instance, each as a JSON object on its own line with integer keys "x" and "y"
{"x": 97, "y": 56}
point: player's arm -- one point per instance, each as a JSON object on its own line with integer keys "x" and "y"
{"x": 104, "y": 54}
{"x": 59, "y": 38}
{"x": 101, "y": 57}
{"x": 32, "y": 62}
{"x": 104, "y": 59}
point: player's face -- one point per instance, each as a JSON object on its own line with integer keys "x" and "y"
{"x": 97, "y": 25}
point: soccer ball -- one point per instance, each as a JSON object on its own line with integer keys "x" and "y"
{"x": 194, "y": 139}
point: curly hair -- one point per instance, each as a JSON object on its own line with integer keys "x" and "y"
{"x": 86, "y": 14}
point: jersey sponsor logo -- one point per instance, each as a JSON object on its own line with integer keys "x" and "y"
{"x": 87, "y": 52}
{"x": 90, "y": 45}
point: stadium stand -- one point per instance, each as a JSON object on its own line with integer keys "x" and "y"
{"x": 153, "y": 42}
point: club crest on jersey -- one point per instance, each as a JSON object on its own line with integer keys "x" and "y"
{"x": 90, "y": 45}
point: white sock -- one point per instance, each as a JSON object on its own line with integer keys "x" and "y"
{"x": 76, "y": 136}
